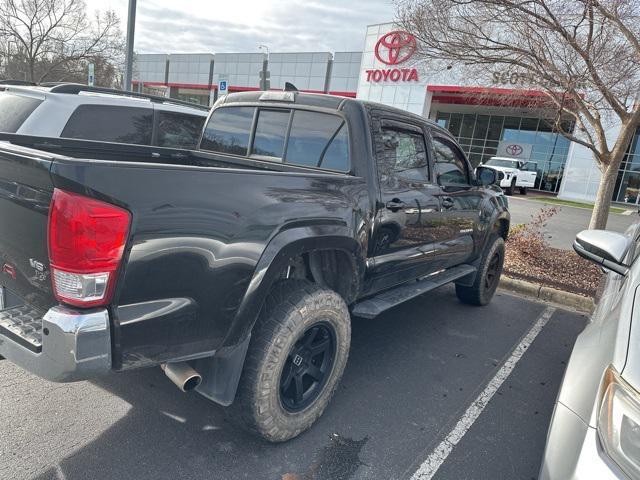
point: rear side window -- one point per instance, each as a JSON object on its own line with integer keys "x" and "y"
{"x": 404, "y": 155}
{"x": 179, "y": 130}
{"x": 14, "y": 110}
{"x": 318, "y": 140}
{"x": 107, "y": 123}
{"x": 296, "y": 137}
{"x": 228, "y": 130}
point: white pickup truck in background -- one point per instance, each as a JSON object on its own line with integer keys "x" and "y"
{"x": 517, "y": 173}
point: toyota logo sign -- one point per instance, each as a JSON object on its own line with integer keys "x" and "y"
{"x": 514, "y": 149}
{"x": 395, "y": 47}
{"x": 392, "y": 49}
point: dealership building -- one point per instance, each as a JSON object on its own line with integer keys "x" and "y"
{"x": 488, "y": 118}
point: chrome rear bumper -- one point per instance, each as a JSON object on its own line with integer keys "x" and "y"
{"x": 73, "y": 345}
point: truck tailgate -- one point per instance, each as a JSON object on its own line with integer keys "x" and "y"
{"x": 25, "y": 194}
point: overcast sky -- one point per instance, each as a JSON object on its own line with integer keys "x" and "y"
{"x": 166, "y": 26}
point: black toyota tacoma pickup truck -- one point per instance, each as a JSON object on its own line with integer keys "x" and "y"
{"x": 236, "y": 267}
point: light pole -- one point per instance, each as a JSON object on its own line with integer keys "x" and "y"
{"x": 131, "y": 30}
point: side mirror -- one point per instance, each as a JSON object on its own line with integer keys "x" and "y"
{"x": 605, "y": 248}
{"x": 488, "y": 176}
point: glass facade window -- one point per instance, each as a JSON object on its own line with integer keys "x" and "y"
{"x": 628, "y": 185}
{"x": 479, "y": 136}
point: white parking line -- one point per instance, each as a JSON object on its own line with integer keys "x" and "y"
{"x": 434, "y": 461}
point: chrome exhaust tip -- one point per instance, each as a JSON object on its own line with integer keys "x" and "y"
{"x": 185, "y": 377}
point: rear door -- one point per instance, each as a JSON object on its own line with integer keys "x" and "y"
{"x": 403, "y": 241}
{"x": 459, "y": 199}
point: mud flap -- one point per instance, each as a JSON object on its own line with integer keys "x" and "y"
{"x": 221, "y": 373}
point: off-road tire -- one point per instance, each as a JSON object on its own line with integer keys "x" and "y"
{"x": 481, "y": 292}
{"x": 523, "y": 190}
{"x": 292, "y": 308}
{"x": 511, "y": 188}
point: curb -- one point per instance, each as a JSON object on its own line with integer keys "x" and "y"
{"x": 548, "y": 294}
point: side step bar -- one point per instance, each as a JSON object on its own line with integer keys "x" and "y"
{"x": 374, "y": 306}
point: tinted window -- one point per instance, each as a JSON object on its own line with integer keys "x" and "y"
{"x": 14, "y": 110}
{"x": 318, "y": 140}
{"x": 179, "y": 130}
{"x": 336, "y": 157}
{"x": 404, "y": 155}
{"x": 270, "y": 133}
{"x": 109, "y": 123}
{"x": 450, "y": 166}
{"x": 228, "y": 130}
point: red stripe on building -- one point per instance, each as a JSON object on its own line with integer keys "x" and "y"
{"x": 455, "y": 89}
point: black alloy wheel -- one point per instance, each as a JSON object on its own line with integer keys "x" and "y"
{"x": 487, "y": 279}
{"x": 307, "y": 368}
{"x": 492, "y": 277}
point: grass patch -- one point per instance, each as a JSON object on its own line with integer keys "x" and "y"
{"x": 570, "y": 203}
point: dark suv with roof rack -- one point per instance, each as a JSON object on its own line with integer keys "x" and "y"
{"x": 99, "y": 114}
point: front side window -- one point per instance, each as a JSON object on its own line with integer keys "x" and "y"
{"x": 449, "y": 164}
{"x": 108, "y": 123}
{"x": 179, "y": 130}
{"x": 14, "y": 110}
{"x": 318, "y": 140}
{"x": 404, "y": 155}
{"x": 228, "y": 130}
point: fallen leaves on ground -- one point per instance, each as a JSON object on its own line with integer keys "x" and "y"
{"x": 556, "y": 268}
{"x": 529, "y": 257}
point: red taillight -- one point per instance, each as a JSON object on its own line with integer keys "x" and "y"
{"x": 86, "y": 243}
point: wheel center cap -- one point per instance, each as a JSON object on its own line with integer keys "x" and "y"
{"x": 297, "y": 360}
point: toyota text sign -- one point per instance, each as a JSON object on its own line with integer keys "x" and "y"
{"x": 394, "y": 48}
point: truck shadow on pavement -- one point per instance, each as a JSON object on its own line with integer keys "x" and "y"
{"x": 410, "y": 374}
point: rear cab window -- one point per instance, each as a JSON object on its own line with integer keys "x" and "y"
{"x": 107, "y": 123}
{"x": 14, "y": 110}
{"x": 283, "y": 135}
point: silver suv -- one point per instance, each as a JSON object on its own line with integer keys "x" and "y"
{"x": 595, "y": 429}
{"x": 101, "y": 114}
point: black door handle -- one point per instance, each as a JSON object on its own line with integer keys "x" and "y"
{"x": 447, "y": 202}
{"x": 395, "y": 204}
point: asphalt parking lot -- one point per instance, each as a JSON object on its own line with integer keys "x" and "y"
{"x": 412, "y": 375}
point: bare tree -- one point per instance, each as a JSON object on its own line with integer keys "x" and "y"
{"x": 583, "y": 55}
{"x": 51, "y": 39}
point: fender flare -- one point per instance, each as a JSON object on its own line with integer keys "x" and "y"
{"x": 289, "y": 243}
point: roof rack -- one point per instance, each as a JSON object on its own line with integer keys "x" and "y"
{"x": 18, "y": 82}
{"x": 75, "y": 88}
